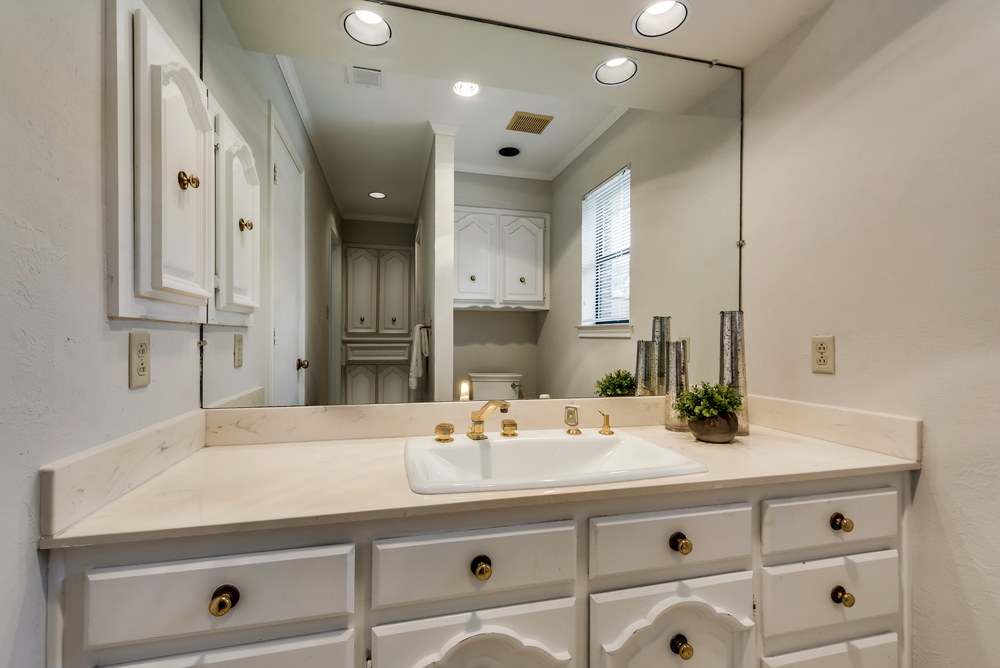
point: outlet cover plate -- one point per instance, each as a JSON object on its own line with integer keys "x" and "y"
{"x": 824, "y": 359}
{"x": 238, "y": 351}
{"x": 138, "y": 359}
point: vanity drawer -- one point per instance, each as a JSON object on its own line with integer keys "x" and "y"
{"x": 798, "y": 597}
{"x": 804, "y": 522}
{"x": 323, "y": 650}
{"x": 439, "y": 566}
{"x": 875, "y": 652}
{"x": 642, "y": 542}
{"x": 129, "y": 604}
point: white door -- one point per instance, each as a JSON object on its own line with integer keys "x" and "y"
{"x": 393, "y": 384}
{"x": 394, "y": 292}
{"x": 522, "y": 260}
{"x": 475, "y": 258}
{"x": 362, "y": 290}
{"x": 361, "y": 384}
{"x": 288, "y": 294}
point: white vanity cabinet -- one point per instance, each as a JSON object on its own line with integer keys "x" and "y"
{"x": 501, "y": 259}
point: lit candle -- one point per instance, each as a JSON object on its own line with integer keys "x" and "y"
{"x": 465, "y": 391}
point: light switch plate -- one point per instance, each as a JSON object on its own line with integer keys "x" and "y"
{"x": 238, "y": 352}
{"x": 824, "y": 358}
{"x": 138, "y": 359}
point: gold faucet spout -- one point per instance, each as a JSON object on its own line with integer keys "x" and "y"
{"x": 479, "y": 417}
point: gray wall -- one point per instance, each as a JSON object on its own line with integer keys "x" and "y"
{"x": 685, "y": 225}
{"x": 378, "y": 233}
{"x": 871, "y": 211}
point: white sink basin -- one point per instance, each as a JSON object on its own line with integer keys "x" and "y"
{"x": 533, "y": 459}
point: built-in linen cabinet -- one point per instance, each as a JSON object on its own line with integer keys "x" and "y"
{"x": 501, "y": 259}
{"x": 376, "y": 384}
{"x": 362, "y": 290}
{"x": 378, "y": 286}
{"x": 394, "y": 291}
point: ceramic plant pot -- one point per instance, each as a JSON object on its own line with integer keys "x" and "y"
{"x": 718, "y": 429}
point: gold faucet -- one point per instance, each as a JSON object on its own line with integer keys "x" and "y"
{"x": 479, "y": 417}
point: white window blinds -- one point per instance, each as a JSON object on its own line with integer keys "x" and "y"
{"x": 607, "y": 239}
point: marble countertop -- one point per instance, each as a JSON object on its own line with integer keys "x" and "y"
{"x": 222, "y": 489}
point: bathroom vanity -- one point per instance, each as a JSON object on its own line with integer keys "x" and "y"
{"x": 272, "y": 547}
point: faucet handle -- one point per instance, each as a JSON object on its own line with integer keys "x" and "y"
{"x": 443, "y": 432}
{"x": 606, "y": 429}
{"x": 508, "y": 428}
{"x": 572, "y": 419}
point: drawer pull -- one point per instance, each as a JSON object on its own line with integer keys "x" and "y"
{"x": 482, "y": 568}
{"x": 245, "y": 225}
{"x": 840, "y": 596}
{"x": 472, "y": 278}
{"x": 680, "y": 543}
{"x": 679, "y": 645}
{"x": 224, "y": 599}
{"x": 840, "y": 523}
{"x": 185, "y": 181}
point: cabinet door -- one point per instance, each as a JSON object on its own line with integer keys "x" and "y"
{"x": 174, "y": 176}
{"x": 361, "y": 384}
{"x": 323, "y": 650}
{"x": 475, "y": 258}
{"x": 362, "y": 290}
{"x": 393, "y": 384}
{"x": 874, "y": 652}
{"x": 522, "y": 260}
{"x": 535, "y": 635}
{"x": 394, "y": 292}
{"x": 635, "y": 628}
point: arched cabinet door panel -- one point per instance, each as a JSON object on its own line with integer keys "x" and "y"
{"x": 362, "y": 290}
{"x": 642, "y": 627}
{"x": 534, "y": 635}
{"x": 361, "y": 384}
{"x": 475, "y": 258}
{"x": 393, "y": 384}
{"x": 522, "y": 260}
{"x": 174, "y": 172}
{"x": 394, "y": 292}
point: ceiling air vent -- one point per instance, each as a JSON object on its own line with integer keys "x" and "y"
{"x": 532, "y": 123}
{"x": 365, "y": 76}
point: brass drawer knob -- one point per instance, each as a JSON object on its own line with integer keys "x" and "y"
{"x": 302, "y": 364}
{"x": 245, "y": 225}
{"x": 841, "y": 597}
{"x": 472, "y": 278}
{"x": 185, "y": 181}
{"x": 362, "y": 318}
{"x": 394, "y": 320}
{"x": 508, "y": 428}
{"x": 680, "y": 543}
{"x": 679, "y": 645}
{"x": 482, "y": 568}
{"x": 224, "y": 599}
{"x": 840, "y": 523}
{"x": 443, "y": 432}
{"x": 522, "y": 279}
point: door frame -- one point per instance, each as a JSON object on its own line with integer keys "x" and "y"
{"x": 335, "y": 325}
{"x": 277, "y": 127}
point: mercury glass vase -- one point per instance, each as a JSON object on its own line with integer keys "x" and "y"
{"x": 661, "y": 336}
{"x": 645, "y": 381}
{"x": 733, "y": 362}
{"x": 677, "y": 382}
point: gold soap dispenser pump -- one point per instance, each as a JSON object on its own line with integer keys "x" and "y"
{"x": 606, "y": 429}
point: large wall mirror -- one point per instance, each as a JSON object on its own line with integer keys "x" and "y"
{"x": 456, "y": 208}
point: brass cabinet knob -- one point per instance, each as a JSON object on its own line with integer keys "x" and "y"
{"x": 245, "y": 225}
{"x": 394, "y": 320}
{"x": 472, "y": 278}
{"x": 508, "y": 428}
{"x": 679, "y": 645}
{"x": 224, "y": 599}
{"x": 680, "y": 543}
{"x": 184, "y": 180}
{"x": 840, "y": 523}
{"x": 840, "y": 596}
{"x": 482, "y": 568}
{"x": 362, "y": 318}
{"x": 522, "y": 279}
{"x": 302, "y": 364}
{"x": 443, "y": 432}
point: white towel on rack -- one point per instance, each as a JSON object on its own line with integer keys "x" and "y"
{"x": 418, "y": 350}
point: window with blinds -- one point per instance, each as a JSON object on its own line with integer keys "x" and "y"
{"x": 607, "y": 239}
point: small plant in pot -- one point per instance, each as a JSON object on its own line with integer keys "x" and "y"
{"x": 710, "y": 411}
{"x": 618, "y": 383}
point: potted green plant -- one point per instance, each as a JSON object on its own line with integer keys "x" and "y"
{"x": 618, "y": 383}
{"x": 710, "y": 411}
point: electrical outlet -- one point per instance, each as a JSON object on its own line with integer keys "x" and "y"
{"x": 238, "y": 351}
{"x": 138, "y": 359}
{"x": 824, "y": 358}
{"x": 687, "y": 348}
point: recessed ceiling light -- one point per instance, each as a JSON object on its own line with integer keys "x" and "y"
{"x": 366, "y": 27}
{"x": 509, "y": 152}
{"x": 615, "y": 71}
{"x": 465, "y": 88}
{"x": 377, "y": 195}
{"x": 660, "y": 19}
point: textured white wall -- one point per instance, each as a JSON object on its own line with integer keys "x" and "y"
{"x": 63, "y": 366}
{"x": 871, "y": 211}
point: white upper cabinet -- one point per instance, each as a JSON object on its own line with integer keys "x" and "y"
{"x": 475, "y": 258}
{"x": 237, "y": 225}
{"x": 394, "y": 292}
{"x": 174, "y": 138}
{"x": 501, "y": 259}
{"x": 522, "y": 253}
{"x": 362, "y": 290}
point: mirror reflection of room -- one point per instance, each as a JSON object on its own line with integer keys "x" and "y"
{"x": 464, "y": 223}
